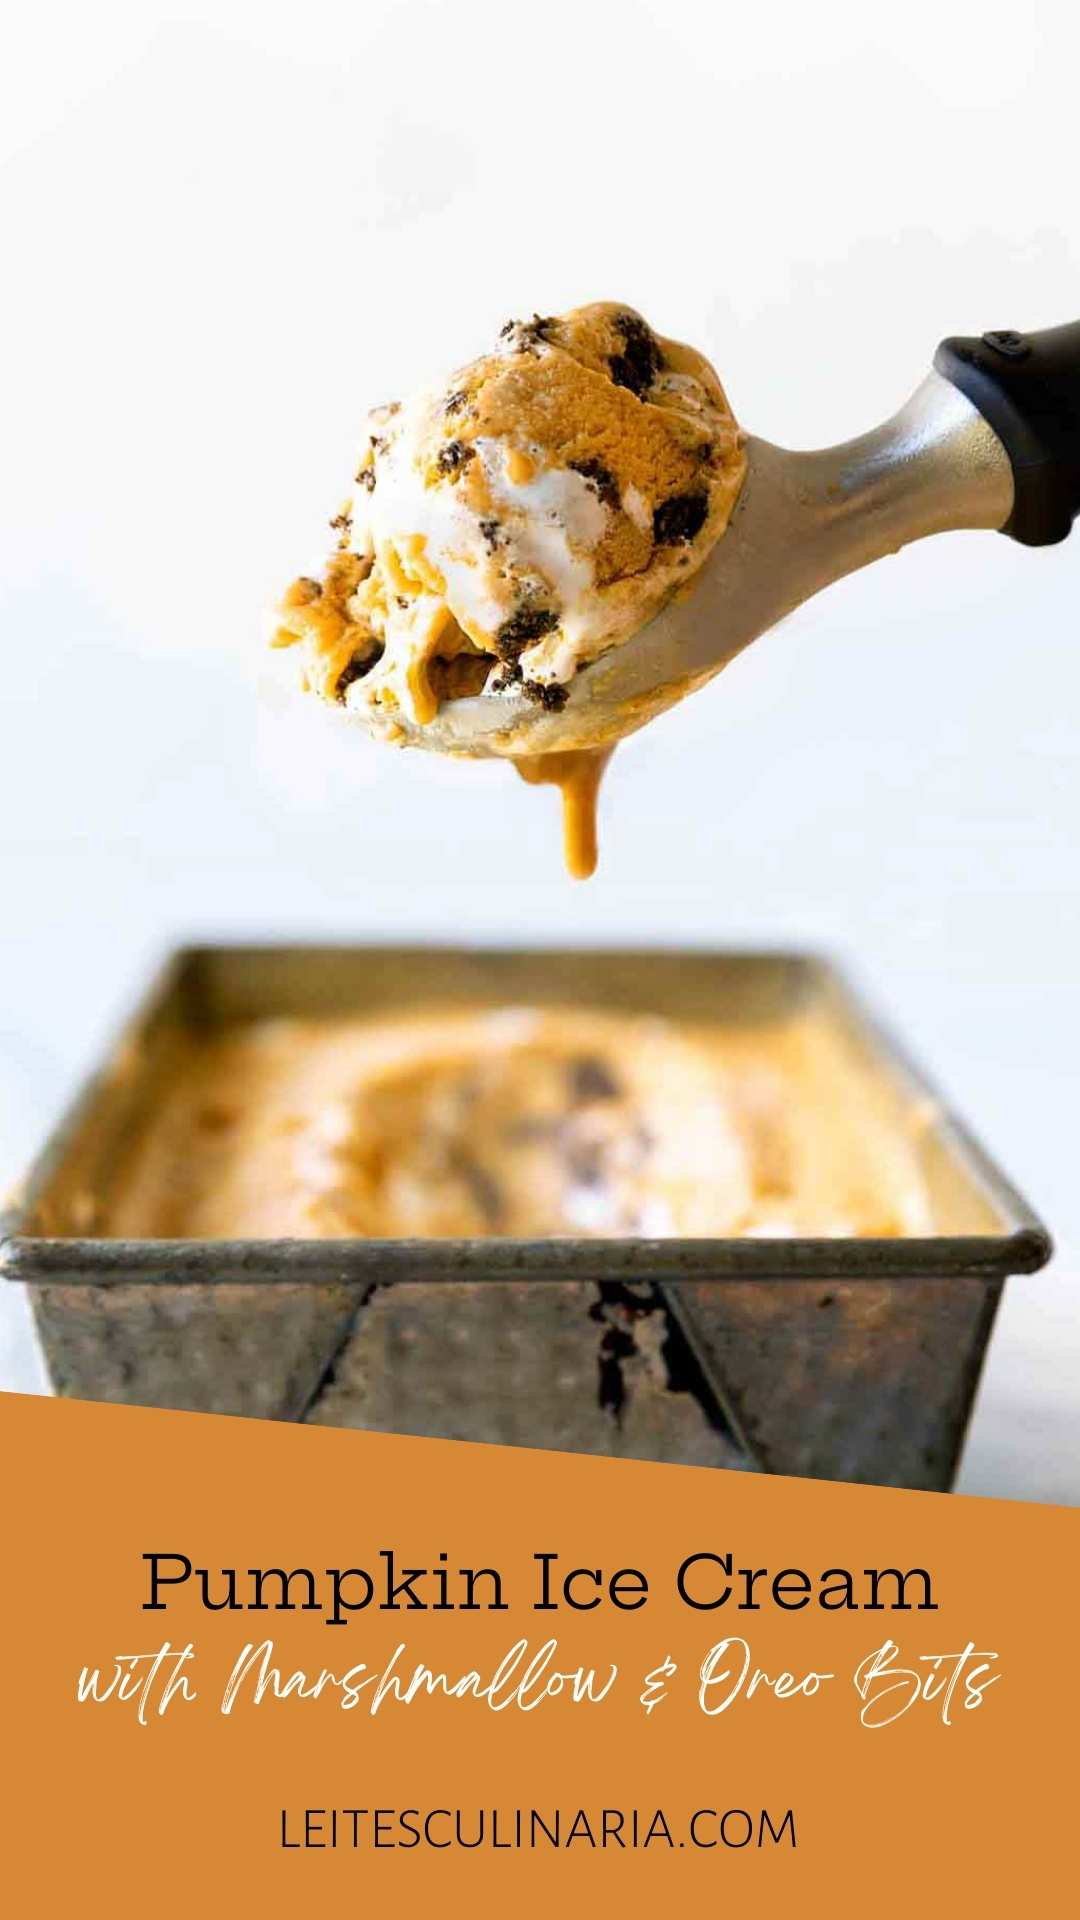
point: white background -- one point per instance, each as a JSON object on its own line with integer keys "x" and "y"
{"x": 228, "y": 228}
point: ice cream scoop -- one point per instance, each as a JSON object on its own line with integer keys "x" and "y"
{"x": 990, "y": 439}
{"x": 571, "y": 533}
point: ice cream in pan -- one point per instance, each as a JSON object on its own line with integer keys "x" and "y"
{"x": 526, "y": 1122}
{"x": 513, "y": 523}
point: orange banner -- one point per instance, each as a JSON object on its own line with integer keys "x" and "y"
{"x": 254, "y": 1667}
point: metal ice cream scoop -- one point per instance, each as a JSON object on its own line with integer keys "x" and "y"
{"x": 990, "y": 439}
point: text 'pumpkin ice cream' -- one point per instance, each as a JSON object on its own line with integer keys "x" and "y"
{"x": 512, "y": 524}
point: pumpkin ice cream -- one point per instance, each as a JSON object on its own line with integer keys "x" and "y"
{"x": 519, "y": 519}
{"x": 514, "y": 1121}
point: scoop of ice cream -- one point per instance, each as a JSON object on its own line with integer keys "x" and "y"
{"x": 516, "y": 521}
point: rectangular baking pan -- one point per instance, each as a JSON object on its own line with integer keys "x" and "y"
{"x": 837, "y": 1358}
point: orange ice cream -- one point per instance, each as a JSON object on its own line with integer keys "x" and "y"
{"x": 516, "y": 1121}
{"x": 519, "y": 519}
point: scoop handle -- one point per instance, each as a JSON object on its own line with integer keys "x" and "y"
{"x": 1027, "y": 387}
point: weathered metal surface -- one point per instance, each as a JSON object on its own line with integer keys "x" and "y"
{"x": 870, "y": 1382}
{"x": 523, "y": 1366}
{"x": 260, "y": 1351}
{"x": 849, "y": 1359}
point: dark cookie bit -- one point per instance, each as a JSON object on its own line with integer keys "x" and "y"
{"x": 546, "y": 694}
{"x": 455, "y": 455}
{"x": 455, "y": 401}
{"x": 509, "y": 675}
{"x": 637, "y": 366}
{"x": 552, "y": 697}
{"x": 365, "y": 476}
{"x": 342, "y": 522}
{"x": 489, "y": 533}
{"x": 680, "y": 519}
{"x": 528, "y": 335}
{"x": 361, "y": 663}
{"x": 592, "y": 1079}
{"x": 522, "y": 628}
{"x": 601, "y": 478}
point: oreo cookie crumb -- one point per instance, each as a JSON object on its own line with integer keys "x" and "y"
{"x": 366, "y": 479}
{"x": 637, "y": 366}
{"x": 601, "y": 478}
{"x": 361, "y": 663}
{"x": 528, "y": 335}
{"x": 455, "y": 401}
{"x": 680, "y": 519}
{"x": 455, "y": 455}
{"x": 592, "y": 1079}
{"x": 489, "y": 533}
{"x": 551, "y": 697}
{"x": 522, "y": 628}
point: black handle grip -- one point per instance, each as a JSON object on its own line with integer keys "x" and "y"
{"x": 1027, "y": 385}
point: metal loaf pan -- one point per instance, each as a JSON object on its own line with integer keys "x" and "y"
{"x": 847, "y": 1359}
